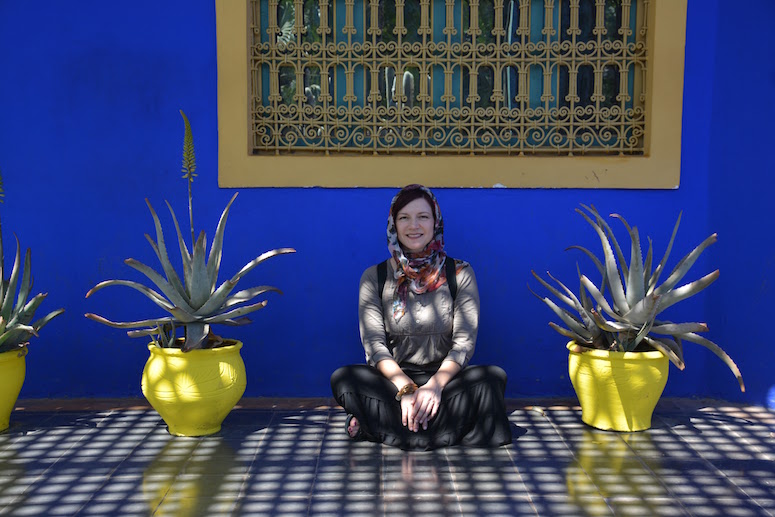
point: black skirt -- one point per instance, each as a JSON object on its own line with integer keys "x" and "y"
{"x": 472, "y": 411}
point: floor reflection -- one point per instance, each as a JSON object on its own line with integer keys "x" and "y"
{"x": 420, "y": 473}
{"x": 188, "y": 476}
{"x": 12, "y": 472}
{"x": 701, "y": 459}
{"x": 417, "y": 483}
{"x": 606, "y": 465}
{"x": 413, "y": 474}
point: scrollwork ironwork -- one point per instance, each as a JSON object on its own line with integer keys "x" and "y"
{"x": 471, "y": 76}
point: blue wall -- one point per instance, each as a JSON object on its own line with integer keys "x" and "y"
{"x": 89, "y": 127}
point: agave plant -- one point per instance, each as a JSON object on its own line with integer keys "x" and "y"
{"x": 627, "y": 318}
{"x": 16, "y": 309}
{"x": 196, "y": 302}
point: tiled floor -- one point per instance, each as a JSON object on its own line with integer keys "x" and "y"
{"x": 291, "y": 457}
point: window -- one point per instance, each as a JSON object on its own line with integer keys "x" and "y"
{"x": 550, "y": 93}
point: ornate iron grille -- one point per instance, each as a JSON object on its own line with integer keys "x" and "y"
{"x": 448, "y": 76}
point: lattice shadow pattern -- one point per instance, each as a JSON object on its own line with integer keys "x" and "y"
{"x": 701, "y": 458}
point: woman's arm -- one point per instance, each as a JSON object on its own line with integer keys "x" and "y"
{"x": 464, "y": 332}
{"x": 444, "y": 374}
{"x": 392, "y": 372}
{"x": 371, "y": 319}
{"x": 465, "y": 322}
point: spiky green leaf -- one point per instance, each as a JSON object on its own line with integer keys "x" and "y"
{"x": 648, "y": 323}
{"x": 611, "y": 237}
{"x": 598, "y": 297}
{"x": 576, "y": 304}
{"x": 247, "y": 295}
{"x": 152, "y": 331}
{"x": 161, "y": 283}
{"x": 199, "y": 288}
{"x": 258, "y": 260}
{"x": 218, "y": 298}
{"x": 684, "y": 265}
{"x": 26, "y": 285}
{"x": 592, "y": 256}
{"x": 669, "y": 348}
{"x": 15, "y": 337}
{"x": 8, "y": 302}
{"x": 236, "y": 322}
{"x": 574, "y": 324}
{"x": 184, "y": 254}
{"x": 661, "y": 267}
{"x": 612, "y": 272}
{"x": 236, "y": 313}
{"x": 127, "y": 324}
{"x": 713, "y": 347}
{"x": 643, "y": 311}
{"x": 571, "y": 335}
{"x": 635, "y": 288}
{"x": 571, "y": 300}
{"x": 647, "y": 264}
{"x": 42, "y": 322}
{"x": 24, "y": 315}
{"x": 196, "y": 335}
{"x": 678, "y": 328}
{"x": 216, "y": 249}
{"x": 610, "y": 326}
{"x": 688, "y": 290}
{"x": 160, "y": 248}
{"x": 179, "y": 313}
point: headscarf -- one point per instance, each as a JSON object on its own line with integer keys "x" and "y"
{"x": 421, "y": 272}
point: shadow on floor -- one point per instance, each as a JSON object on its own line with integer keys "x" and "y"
{"x": 292, "y": 457}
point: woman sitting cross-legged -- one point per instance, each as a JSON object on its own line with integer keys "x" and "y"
{"x": 419, "y": 318}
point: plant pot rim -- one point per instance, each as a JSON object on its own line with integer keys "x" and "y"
{"x": 10, "y": 355}
{"x": 227, "y": 349}
{"x": 609, "y": 354}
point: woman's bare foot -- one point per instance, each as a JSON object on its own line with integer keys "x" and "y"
{"x": 353, "y": 427}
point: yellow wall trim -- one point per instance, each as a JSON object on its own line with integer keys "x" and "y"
{"x": 658, "y": 168}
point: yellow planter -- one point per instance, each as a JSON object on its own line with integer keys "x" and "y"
{"x": 13, "y": 367}
{"x": 194, "y": 391}
{"x": 618, "y": 391}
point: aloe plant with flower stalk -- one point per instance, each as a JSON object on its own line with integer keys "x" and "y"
{"x": 196, "y": 302}
{"x": 16, "y": 309}
{"x": 626, "y": 319}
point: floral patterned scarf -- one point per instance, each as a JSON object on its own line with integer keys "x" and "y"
{"x": 421, "y": 272}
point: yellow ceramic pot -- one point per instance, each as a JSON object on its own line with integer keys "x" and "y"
{"x": 618, "y": 391}
{"x": 194, "y": 391}
{"x": 13, "y": 367}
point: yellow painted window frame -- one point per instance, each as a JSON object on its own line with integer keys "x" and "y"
{"x": 658, "y": 168}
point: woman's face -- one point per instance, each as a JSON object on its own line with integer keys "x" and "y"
{"x": 414, "y": 225}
